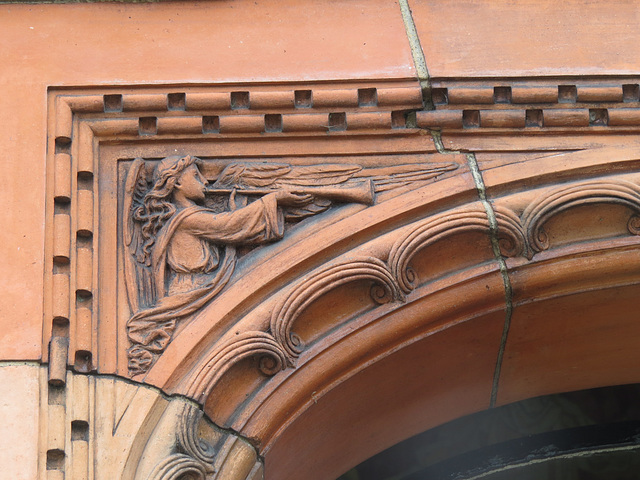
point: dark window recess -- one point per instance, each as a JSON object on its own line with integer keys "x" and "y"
{"x": 587, "y": 435}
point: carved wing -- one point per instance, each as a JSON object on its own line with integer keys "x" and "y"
{"x": 319, "y": 175}
{"x": 349, "y": 183}
{"x": 278, "y": 175}
{"x": 251, "y": 175}
{"x": 138, "y": 276}
{"x": 397, "y": 176}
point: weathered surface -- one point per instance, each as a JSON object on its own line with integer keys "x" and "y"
{"x": 238, "y": 237}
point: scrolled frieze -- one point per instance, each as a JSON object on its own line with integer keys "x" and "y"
{"x": 559, "y": 200}
{"x": 510, "y": 235}
{"x": 469, "y": 218}
{"x": 319, "y": 282}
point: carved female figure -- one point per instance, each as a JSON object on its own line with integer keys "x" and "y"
{"x": 182, "y": 253}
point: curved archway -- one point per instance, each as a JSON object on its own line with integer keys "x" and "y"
{"x": 484, "y": 302}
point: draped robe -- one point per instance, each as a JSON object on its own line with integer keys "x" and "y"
{"x": 192, "y": 260}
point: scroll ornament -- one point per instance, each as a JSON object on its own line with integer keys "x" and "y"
{"x": 468, "y": 218}
{"x": 187, "y": 446}
{"x": 261, "y": 345}
{"x": 618, "y": 192}
{"x": 384, "y": 289}
{"x": 179, "y": 467}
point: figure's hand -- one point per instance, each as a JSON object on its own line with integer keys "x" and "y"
{"x": 288, "y": 198}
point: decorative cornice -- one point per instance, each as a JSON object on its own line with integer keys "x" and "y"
{"x": 507, "y": 104}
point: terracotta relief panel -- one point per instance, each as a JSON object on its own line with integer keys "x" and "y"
{"x": 170, "y": 204}
{"x": 160, "y": 200}
{"x": 183, "y": 231}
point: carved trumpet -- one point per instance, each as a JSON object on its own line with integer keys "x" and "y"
{"x": 352, "y": 192}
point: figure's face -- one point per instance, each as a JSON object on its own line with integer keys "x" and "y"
{"x": 192, "y": 184}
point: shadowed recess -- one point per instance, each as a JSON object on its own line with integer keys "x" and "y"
{"x": 587, "y": 435}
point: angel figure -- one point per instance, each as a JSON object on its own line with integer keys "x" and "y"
{"x": 181, "y": 253}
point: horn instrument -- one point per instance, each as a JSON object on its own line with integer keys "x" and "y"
{"x": 352, "y": 192}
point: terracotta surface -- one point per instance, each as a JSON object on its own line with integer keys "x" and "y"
{"x": 550, "y": 347}
{"x": 110, "y": 44}
{"x": 420, "y": 390}
{"x": 245, "y": 41}
{"x": 489, "y": 38}
{"x": 433, "y": 262}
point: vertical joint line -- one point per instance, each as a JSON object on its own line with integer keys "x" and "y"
{"x": 437, "y": 141}
{"x": 436, "y": 135}
{"x": 417, "y": 54}
{"x": 508, "y": 292}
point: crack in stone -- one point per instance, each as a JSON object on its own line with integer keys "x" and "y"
{"x": 417, "y": 53}
{"x": 493, "y": 236}
{"x": 168, "y": 397}
{"x": 20, "y": 363}
{"x": 437, "y": 141}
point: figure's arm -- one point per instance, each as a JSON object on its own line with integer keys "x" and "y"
{"x": 258, "y": 222}
{"x": 287, "y": 198}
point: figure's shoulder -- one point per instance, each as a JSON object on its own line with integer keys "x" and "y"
{"x": 184, "y": 217}
{"x": 195, "y": 211}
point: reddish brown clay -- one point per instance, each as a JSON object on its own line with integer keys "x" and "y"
{"x": 251, "y": 240}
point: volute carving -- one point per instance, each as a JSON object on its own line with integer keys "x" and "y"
{"x": 619, "y": 192}
{"x": 319, "y": 282}
{"x": 189, "y": 439}
{"x": 185, "y": 446}
{"x": 178, "y": 467}
{"x": 182, "y": 237}
{"x": 471, "y": 217}
{"x": 273, "y": 358}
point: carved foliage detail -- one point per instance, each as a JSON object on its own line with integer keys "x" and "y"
{"x": 465, "y": 219}
{"x": 619, "y": 192}
{"x": 319, "y": 282}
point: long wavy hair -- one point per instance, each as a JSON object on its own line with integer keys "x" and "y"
{"x": 157, "y": 208}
